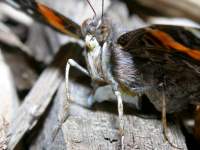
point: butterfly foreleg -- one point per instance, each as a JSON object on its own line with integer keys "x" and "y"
{"x": 72, "y": 63}
{"x": 64, "y": 115}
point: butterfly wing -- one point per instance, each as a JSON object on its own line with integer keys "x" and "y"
{"x": 49, "y": 16}
{"x": 168, "y": 55}
{"x": 183, "y": 41}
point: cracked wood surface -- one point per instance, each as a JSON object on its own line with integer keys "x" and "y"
{"x": 36, "y": 102}
{"x": 97, "y": 127}
{"x": 8, "y": 100}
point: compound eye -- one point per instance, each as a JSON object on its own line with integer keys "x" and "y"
{"x": 89, "y": 27}
{"x": 92, "y": 25}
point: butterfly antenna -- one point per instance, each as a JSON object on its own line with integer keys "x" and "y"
{"x": 92, "y": 7}
{"x": 102, "y": 9}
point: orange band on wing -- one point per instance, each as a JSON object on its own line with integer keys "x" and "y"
{"x": 53, "y": 19}
{"x": 168, "y": 41}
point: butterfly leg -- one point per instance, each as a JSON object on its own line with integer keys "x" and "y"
{"x": 64, "y": 115}
{"x": 73, "y": 63}
{"x": 120, "y": 113}
{"x": 164, "y": 120}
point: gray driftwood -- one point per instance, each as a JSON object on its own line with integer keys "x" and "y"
{"x": 37, "y": 100}
{"x": 9, "y": 38}
{"x": 22, "y": 68}
{"x": 8, "y": 100}
{"x": 8, "y": 95}
{"x": 97, "y": 127}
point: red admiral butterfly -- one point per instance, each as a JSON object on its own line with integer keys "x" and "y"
{"x": 161, "y": 61}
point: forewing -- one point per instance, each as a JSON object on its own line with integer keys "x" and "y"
{"x": 169, "y": 55}
{"x": 50, "y": 17}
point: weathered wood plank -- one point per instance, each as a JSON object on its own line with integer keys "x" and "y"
{"x": 38, "y": 99}
{"x": 3, "y": 130}
{"x": 23, "y": 69}
{"x": 97, "y": 127}
{"x": 8, "y": 100}
{"x": 8, "y": 95}
{"x": 8, "y": 37}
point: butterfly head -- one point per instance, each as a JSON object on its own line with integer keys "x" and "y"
{"x": 96, "y": 29}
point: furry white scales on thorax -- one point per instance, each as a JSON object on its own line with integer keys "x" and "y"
{"x": 93, "y": 55}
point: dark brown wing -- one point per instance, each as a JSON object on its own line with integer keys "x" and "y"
{"x": 182, "y": 41}
{"x": 166, "y": 54}
{"x": 50, "y": 17}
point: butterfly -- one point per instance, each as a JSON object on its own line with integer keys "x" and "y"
{"x": 160, "y": 61}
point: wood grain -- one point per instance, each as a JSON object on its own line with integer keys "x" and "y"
{"x": 36, "y": 102}
{"x": 8, "y": 95}
{"x": 97, "y": 127}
